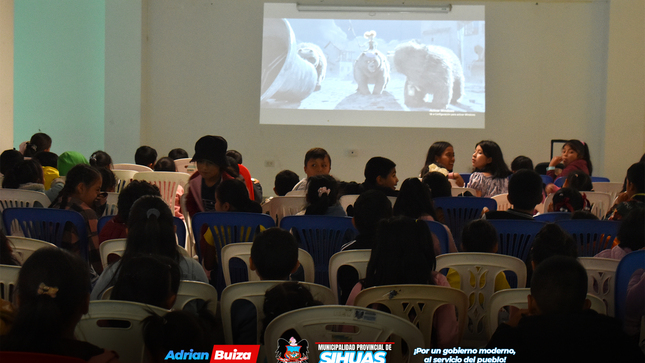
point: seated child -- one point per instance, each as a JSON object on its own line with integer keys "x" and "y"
{"x": 439, "y": 184}
{"x": 284, "y": 182}
{"x": 233, "y": 196}
{"x": 380, "y": 174}
{"x": 569, "y": 200}
{"x": 317, "y": 162}
{"x": 524, "y": 193}
{"x": 370, "y": 207}
{"x": 25, "y": 175}
{"x": 8, "y": 159}
{"x": 578, "y": 180}
{"x": 178, "y": 153}
{"x": 322, "y": 197}
{"x": 108, "y": 185}
{"x": 101, "y": 159}
{"x": 146, "y": 156}
{"x": 634, "y": 194}
{"x": 630, "y": 237}
{"x": 521, "y": 162}
{"x": 49, "y": 162}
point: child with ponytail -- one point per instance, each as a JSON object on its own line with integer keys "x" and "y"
{"x": 322, "y": 197}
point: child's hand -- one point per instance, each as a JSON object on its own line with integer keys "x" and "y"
{"x": 458, "y": 179}
{"x": 551, "y": 188}
{"x": 555, "y": 161}
{"x": 516, "y": 315}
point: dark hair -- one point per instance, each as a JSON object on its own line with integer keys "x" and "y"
{"x": 234, "y": 192}
{"x": 100, "y": 159}
{"x": 178, "y": 331}
{"x": 414, "y": 200}
{"x": 439, "y": 185}
{"x": 318, "y": 200}
{"x": 39, "y": 142}
{"x": 274, "y": 253}
{"x": 525, "y": 189}
{"x": 552, "y": 240}
{"x": 233, "y": 165}
{"x": 145, "y": 155}
{"x": 582, "y": 149}
{"x": 479, "y": 235}
{"x": 6, "y": 252}
{"x": 583, "y": 214}
{"x": 80, "y": 173}
{"x": 436, "y": 150}
{"x": 47, "y": 158}
{"x": 285, "y": 181}
{"x": 235, "y": 155}
{"x": 133, "y": 191}
{"x": 636, "y": 176}
{"x": 108, "y": 179}
{"x": 631, "y": 233}
{"x": 375, "y": 167}
{"x": 165, "y": 164}
{"x": 371, "y": 207}
{"x": 497, "y": 167}
{"x": 53, "y": 287}
{"x": 580, "y": 181}
{"x": 26, "y": 171}
{"x": 521, "y": 162}
{"x": 151, "y": 229}
{"x": 569, "y": 200}
{"x": 178, "y": 153}
{"x": 404, "y": 254}
{"x": 147, "y": 279}
{"x": 8, "y": 159}
{"x": 559, "y": 285}
{"x": 317, "y": 153}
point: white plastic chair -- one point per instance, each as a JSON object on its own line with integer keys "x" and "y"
{"x": 471, "y": 266}
{"x": 279, "y": 207}
{"x": 190, "y": 242}
{"x": 254, "y": 291}
{"x": 167, "y": 181}
{"x": 613, "y": 189}
{"x": 123, "y": 178}
{"x": 196, "y": 290}
{"x": 8, "y": 279}
{"x": 602, "y": 279}
{"x": 547, "y": 201}
{"x": 111, "y": 204}
{"x": 518, "y": 298}
{"x": 600, "y": 203}
{"x": 115, "y": 246}
{"x": 417, "y": 304}
{"x": 126, "y": 166}
{"x": 502, "y": 202}
{"x": 370, "y": 325}
{"x": 127, "y": 342}
{"x": 347, "y": 200}
{"x": 242, "y": 250}
{"x": 458, "y": 190}
{"x": 184, "y": 165}
{"x": 19, "y": 198}
{"x": 23, "y": 247}
{"x": 357, "y": 259}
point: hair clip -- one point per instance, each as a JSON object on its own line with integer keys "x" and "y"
{"x": 153, "y": 211}
{"x": 323, "y": 190}
{"x": 46, "y": 290}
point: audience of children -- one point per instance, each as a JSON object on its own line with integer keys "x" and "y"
{"x": 317, "y": 162}
{"x": 490, "y": 175}
{"x": 146, "y": 156}
{"x": 284, "y": 182}
{"x": 441, "y": 157}
{"x": 322, "y": 197}
{"x": 524, "y": 193}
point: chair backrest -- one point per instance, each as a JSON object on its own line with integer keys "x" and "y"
{"x": 321, "y": 236}
{"x": 626, "y": 268}
{"x": 502, "y": 202}
{"x": 516, "y": 236}
{"x": 465, "y": 177}
{"x": 115, "y": 246}
{"x": 601, "y": 273}
{"x": 599, "y": 179}
{"x": 190, "y": 239}
{"x": 48, "y": 224}
{"x": 253, "y": 291}
{"x": 559, "y": 181}
{"x": 111, "y": 204}
{"x": 102, "y": 222}
{"x": 547, "y": 201}
{"x": 546, "y": 179}
{"x": 184, "y": 165}
{"x": 592, "y": 236}
{"x": 23, "y": 247}
{"x": 440, "y": 231}
{"x": 552, "y": 216}
{"x": 369, "y": 325}
{"x": 457, "y": 191}
{"x": 459, "y": 211}
{"x": 167, "y": 181}
{"x": 180, "y": 231}
{"x": 613, "y": 189}
{"x": 600, "y": 202}
{"x": 357, "y": 259}
{"x": 126, "y": 166}
{"x": 19, "y": 198}
{"x": 280, "y": 207}
{"x": 471, "y": 268}
{"x": 518, "y": 298}
{"x": 123, "y": 178}
{"x": 196, "y": 290}
{"x": 242, "y": 251}
{"x": 417, "y": 304}
{"x": 347, "y": 200}
{"x": 8, "y": 280}
{"x": 127, "y": 342}
{"x": 28, "y": 357}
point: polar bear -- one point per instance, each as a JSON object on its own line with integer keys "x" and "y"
{"x": 371, "y": 67}
{"x": 314, "y": 55}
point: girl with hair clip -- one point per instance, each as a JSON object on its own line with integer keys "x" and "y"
{"x": 150, "y": 231}
{"x": 101, "y": 159}
{"x": 441, "y": 157}
{"x": 52, "y": 295}
{"x": 322, "y": 197}
{"x": 569, "y": 200}
{"x": 578, "y": 180}
{"x": 26, "y": 175}
{"x": 38, "y": 142}
{"x": 490, "y": 176}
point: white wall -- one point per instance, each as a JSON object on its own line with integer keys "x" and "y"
{"x": 6, "y": 74}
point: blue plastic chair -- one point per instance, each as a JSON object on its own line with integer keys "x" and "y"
{"x": 546, "y": 179}
{"x": 466, "y": 177}
{"x": 626, "y": 268}
{"x": 599, "y": 179}
{"x": 592, "y": 236}
{"x": 440, "y": 231}
{"x": 559, "y": 182}
{"x": 178, "y": 222}
{"x": 48, "y": 224}
{"x": 516, "y": 236}
{"x": 458, "y": 211}
{"x": 102, "y": 222}
{"x": 321, "y": 236}
{"x": 553, "y": 216}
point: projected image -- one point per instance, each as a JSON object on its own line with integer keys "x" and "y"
{"x": 373, "y": 65}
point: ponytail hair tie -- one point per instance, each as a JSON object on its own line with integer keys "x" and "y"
{"x": 582, "y": 142}
{"x": 323, "y": 190}
{"x": 153, "y": 211}
{"x": 46, "y": 290}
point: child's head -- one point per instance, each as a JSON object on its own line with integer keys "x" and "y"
{"x": 47, "y": 158}
{"x": 151, "y": 229}
{"x": 148, "y": 279}
{"x": 283, "y": 298}
{"x": 285, "y": 181}
{"x": 177, "y": 153}
{"x": 441, "y": 153}
{"x": 414, "y": 200}
{"x": 235, "y": 155}
{"x": 439, "y": 185}
{"x": 8, "y": 159}
{"x": 69, "y": 159}
{"x": 488, "y": 158}
{"x": 574, "y": 150}
{"x": 635, "y": 179}
{"x": 26, "y": 171}
{"x": 176, "y": 331}
{"x": 558, "y": 286}
{"x": 631, "y": 233}
{"x": 210, "y": 156}
{"x": 371, "y": 207}
{"x": 133, "y": 191}
{"x": 39, "y": 142}
{"x": 101, "y": 159}
{"x": 165, "y": 164}
{"x": 317, "y": 162}
{"x": 569, "y": 200}
{"x": 82, "y": 182}
{"x": 521, "y": 162}
{"x": 380, "y": 172}
{"x": 479, "y": 236}
{"x": 578, "y": 180}
{"x": 552, "y": 240}
{"x": 232, "y": 196}
{"x": 146, "y": 156}
{"x": 274, "y": 254}
{"x": 108, "y": 180}
{"x": 525, "y": 189}
{"x": 322, "y": 193}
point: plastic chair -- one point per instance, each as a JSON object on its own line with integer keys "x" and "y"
{"x": 242, "y": 251}
{"x": 599, "y": 179}
{"x": 190, "y": 239}
{"x": 126, "y": 166}
{"x": 559, "y": 181}
{"x": 48, "y": 224}
{"x": 184, "y": 165}
{"x": 613, "y": 189}
{"x": 112, "y": 246}
{"x": 440, "y": 231}
{"x": 111, "y": 205}
{"x": 547, "y": 201}
{"x": 369, "y": 326}
{"x": 459, "y": 211}
{"x": 502, "y": 202}
{"x": 602, "y": 279}
{"x": 473, "y": 266}
{"x": 459, "y": 191}
{"x": 253, "y": 291}
{"x": 600, "y": 203}
{"x": 126, "y": 341}
{"x": 123, "y": 178}
{"x": 591, "y": 236}
{"x": 180, "y": 231}
{"x": 8, "y": 279}
{"x": 626, "y": 268}
{"x": 102, "y": 221}
{"x": 417, "y": 304}
{"x": 347, "y": 200}
{"x": 167, "y": 181}
{"x": 516, "y": 236}
{"x": 280, "y": 207}
{"x": 19, "y": 198}
{"x": 28, "y": 357}
{"x": 546, "y": 179}
{"x": 23, "y": 247}
{"x": 552, "y": 216}
{"x": 466, "y": 177}
{"x": 321, "y": 236}
{"x": 357, "y": 259}
{"x": 196, "y": 290}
